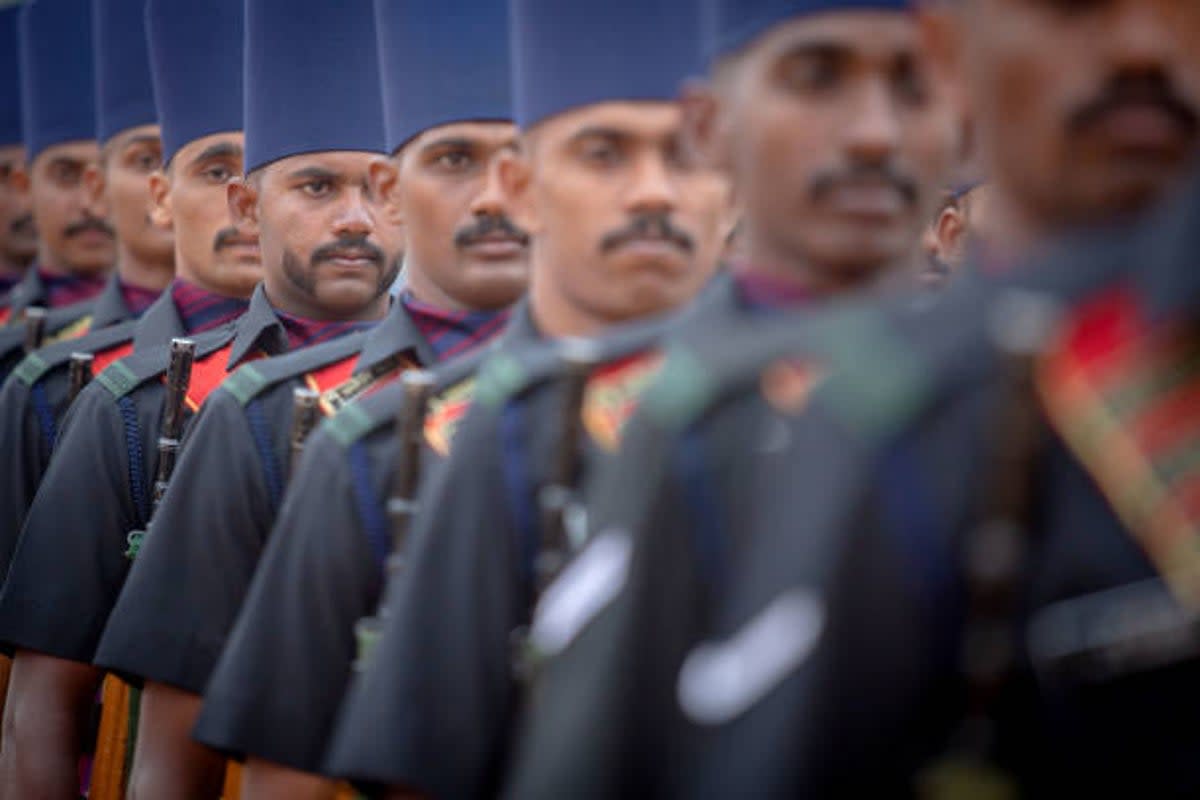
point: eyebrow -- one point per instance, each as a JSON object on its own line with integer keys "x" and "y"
{"x": 599, "y": 132}
{"x": 449, "y": 142}
{"x": 67, "y": 161}
{"x": 311, "y": 173}
{"x": 220, "y": 150}
{"x": 823, "y": 48}
{"x": 146, "y": 138}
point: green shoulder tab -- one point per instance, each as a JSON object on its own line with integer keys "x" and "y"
{"x": 245, "y": 383}
{"x": 118, "y": 379}
{"x": 875, "y": 381}
{"x": 499, "y": 378}
{"x": 31, "y": 369}
{"x": 680, "y": 391}
{"x": 350, "y": 424}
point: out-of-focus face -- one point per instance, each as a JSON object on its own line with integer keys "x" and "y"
{"x": 127, "y": 162}
{"x": 623, "y": 224}
{"x": 73, "y": 237}
{"x": 190, "y": 197}
{"x": 460, "y": 234}
{"x": 837, "y": 139}
{"x": 329, "y": 249}
{"x": 18, "y": 235}
{"x": 1086, "y": 109}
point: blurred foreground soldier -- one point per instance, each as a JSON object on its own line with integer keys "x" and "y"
{"x": 626, "y": 230}
{"x": 170, "y": 631}
{"x": 1015, "y": 639}
{"x": 34, "y": 401}
{"x": 330, "y": 252}
{"x": 466, "y": 257}
{"x": 75, "y": 242}
{"x": 18, "y": 236}
{"x": 97, "y": 490}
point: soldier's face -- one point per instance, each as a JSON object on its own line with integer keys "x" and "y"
{"x": 128, "y": 161}
{"x": 836, "y": 139}
{"x": 330, "y": 250}
{"x": 18, "y": 235}
{"x": 73, "y": 236}
{"x": 458, "y": 224}
{"x": 623, "y": 224}
{"x": 1085, "y": 110}
{"x": 191, "y": 197}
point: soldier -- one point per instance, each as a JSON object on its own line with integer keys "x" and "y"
{"x": 35, "y": 400}
{"x": 626, "y": 231}
{"x": 465, "y": 267}
{"x": 464, "y": 251}
{"x": 75, "y": 244}
{"x": 199, "y": 97}
{"x": 18, "y": 236}
{"x": 907, "y": 470}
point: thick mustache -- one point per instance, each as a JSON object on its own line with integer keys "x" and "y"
{"x": 489, "y": 226}
{"x": 228, "y": 237}
{"x": 887, "y": 173}
{"x": 22, "y": 224}
{"x": 1154, "y": 90}
{"x": 85, "y": 225}
{"x": 648, "y": 226}
{"x": 357, "y": 247}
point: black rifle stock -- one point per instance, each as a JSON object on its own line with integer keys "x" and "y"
{"x": 179, "y": 377}
{"x": 79, "y": 374}
{"x": 306, "y": 413}
{"x": 35, "y": 328}
{"x": 579, "y": 359}
{"x": 402, "y": 499}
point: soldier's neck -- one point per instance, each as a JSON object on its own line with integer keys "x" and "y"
{"x": 155, "y": 274}
{"x": 826, "y": 281}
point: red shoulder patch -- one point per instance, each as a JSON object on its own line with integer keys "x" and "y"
{"x": 613, "y": 393}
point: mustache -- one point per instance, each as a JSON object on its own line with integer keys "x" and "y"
{"x": 1153, "y": 89}
{"x": 489, "y": 226}
{"x": 884, "y": 172}
{"x": 88, "y": 224}
{"x": 355, "y": 246}
{"x": 656, "y": 226}
{"x": 22, "y": 224}
{"x": 228, "y": 237}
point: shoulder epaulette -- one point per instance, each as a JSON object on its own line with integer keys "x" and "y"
{"x": 356, "y": 420}
{"x": 122, "y": 377}
{"x": 251, "y": 380}
{"x": 36, "y": 365}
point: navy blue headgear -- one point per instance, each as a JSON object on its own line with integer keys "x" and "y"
{"x": 733, "y": 24}
{"x": 10, "y": 79}
{"x": 57, "y": 104}
{"x": 571, "y": 54}
{"x": 312, "y": 79}
{"x": 442, "y": 65}
{"x": 196, "y": 67}
{"x": 124, "y": 97}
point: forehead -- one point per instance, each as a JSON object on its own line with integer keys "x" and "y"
{"x": 227, "y": 144}
{"x": 79, "y": 152}
{"x": 479, "y": 134}
{"x": 644, "y": 120}
{"x": 865, "y": 35}
{"x": 142, "y": 134}
{"x": 345, "y": 164}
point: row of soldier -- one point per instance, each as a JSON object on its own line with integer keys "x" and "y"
{"x": 673, "y": 463}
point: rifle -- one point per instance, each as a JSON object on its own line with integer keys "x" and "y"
{"x": 35, "y": 328}
{"x": 179, "y": 376}
{"x": 306, "y": 413}
{"x": 402, "y": 501}
{"x": 119, "y": 701}
{"x": 995, "y": 559}
{"x": 557, "y": 496}
{"x": 79, "y": 374}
